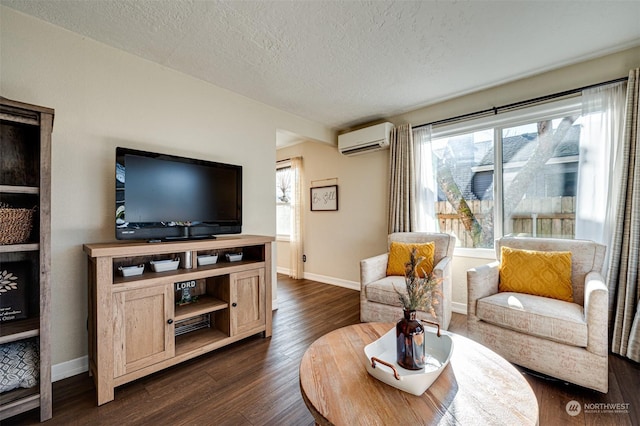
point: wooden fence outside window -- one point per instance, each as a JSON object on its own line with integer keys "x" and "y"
{"x": 554, "y": 217}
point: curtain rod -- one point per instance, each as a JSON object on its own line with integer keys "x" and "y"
{"x": 496, "y": 110}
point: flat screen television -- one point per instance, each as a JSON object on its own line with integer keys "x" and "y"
{"x": 166, "y": 197}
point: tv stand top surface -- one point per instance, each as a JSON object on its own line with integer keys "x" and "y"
{"x": 136, "y": 248}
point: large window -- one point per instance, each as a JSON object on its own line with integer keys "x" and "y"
{"x": 283, "y": 200}
{"x": 511, "y": 174}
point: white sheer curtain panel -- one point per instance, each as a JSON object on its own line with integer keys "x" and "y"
{"x": 296, "y": 266}
{"x": 426, "y": 189}
{"x": 599, "y": 168}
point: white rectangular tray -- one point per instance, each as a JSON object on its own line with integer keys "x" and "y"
{"x": 234, "y": 257}
{"x": 207, "y": 259}
{"x": 130, "y": 271}
{"x": 416, "y": 382}
{"x": 165, "y": 265}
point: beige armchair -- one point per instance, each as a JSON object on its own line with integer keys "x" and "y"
{"x": 561, "y": 339}
{"x": 378, "y": 299}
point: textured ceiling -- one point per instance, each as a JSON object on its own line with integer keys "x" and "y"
{"x": 342, "y": 63}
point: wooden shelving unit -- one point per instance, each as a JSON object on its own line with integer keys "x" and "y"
{"x": 25, "y": 181}
{"x": 233, "y": 302}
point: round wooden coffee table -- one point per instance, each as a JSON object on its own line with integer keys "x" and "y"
{"x": 477, "y": 387}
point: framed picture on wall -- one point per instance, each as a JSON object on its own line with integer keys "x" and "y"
{"x": 324, "y": 198}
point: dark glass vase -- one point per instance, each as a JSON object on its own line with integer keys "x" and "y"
{"x": 410, "y": 342}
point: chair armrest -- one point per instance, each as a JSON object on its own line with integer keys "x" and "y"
{"x": 482, "y": 281}
{"x": 373, "y": 269}
{"x": 596, "y": 313}
{"x": 443, "y": 270}
{"x": 442, "y": 267}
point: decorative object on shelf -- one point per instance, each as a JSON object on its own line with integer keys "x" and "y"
{"x": 19, "y": 365}
{"x": 15, "y": 224}
{"x": 14, "y": 281}
{"x": 165, "y": 265}
{"x": 187, "y": 260}
{"x": 324, "y": 198}
{"x": 130, "y": 271}
{"x": 420, "y": 295}
{"x": 207, "y": 259}
{"x": 382, "y": 355}
{"x": 233, "y": 257}
{"x": 184, "y": 292}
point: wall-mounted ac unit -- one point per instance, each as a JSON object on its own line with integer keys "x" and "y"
{"x": 373, "y": 138}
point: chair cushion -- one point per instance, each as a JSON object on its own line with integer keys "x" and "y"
{"x": 400, "y": 254}
{"x": 541, "y": 273}
{"x": 382, "y": 291}
{"x": 543, "y": 317}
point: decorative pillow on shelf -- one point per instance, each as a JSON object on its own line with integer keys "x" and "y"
{"x": 18, "y": 365}
{"x": 400, "y": 253}
{"x": 541, "y": 273}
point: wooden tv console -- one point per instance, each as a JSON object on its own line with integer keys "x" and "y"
{"x": 136, "y": 326}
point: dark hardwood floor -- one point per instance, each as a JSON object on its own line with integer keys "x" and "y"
{"x": 255, "y": 382}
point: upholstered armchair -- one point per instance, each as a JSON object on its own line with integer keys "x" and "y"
{"x": 378, "y": 299}
{"x": 560, "y": 338}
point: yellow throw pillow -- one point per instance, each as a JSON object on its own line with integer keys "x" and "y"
{"x": 400, "y": 254}
{"x": 541, "y": 273}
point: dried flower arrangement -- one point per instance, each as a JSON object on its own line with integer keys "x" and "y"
{"x": 422, "y": 293}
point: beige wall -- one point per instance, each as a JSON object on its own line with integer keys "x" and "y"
{"x": 335, "y": 241}
{"x": 105, "y": 98}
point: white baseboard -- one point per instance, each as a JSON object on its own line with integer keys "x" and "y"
{"x": 69, "y": 368}
{"x": 353, "y": 285}
{"x": 459, "y": 308}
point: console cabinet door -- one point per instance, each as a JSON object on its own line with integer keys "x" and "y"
{"x": 247, "y": 301}
{"x": 143, "y": 328}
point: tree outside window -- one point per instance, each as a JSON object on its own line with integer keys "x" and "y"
{"x": 283, "y": 201}
{"x": 531, "y": 192}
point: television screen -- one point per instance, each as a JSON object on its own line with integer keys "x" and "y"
{"x": 167, "y": 197}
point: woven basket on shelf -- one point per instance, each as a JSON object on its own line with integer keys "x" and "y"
{"x": 15, "y": 225}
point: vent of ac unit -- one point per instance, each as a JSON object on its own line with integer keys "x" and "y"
{"x": 373, "y": 138}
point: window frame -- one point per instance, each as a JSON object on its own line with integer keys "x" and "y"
{"x": 549, "y": 110}
{"x": 282, "y": 237}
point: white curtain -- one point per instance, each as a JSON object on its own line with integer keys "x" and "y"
{"x": 599, "y": 168}
{"x": 426, "y": 188}
{"x": 296, "y": 266}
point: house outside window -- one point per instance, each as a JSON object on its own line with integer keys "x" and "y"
{"x": 511, "y": 174}
{"x": 283, "y": 201}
